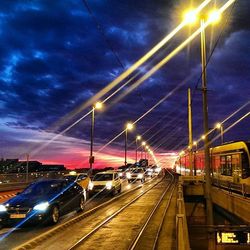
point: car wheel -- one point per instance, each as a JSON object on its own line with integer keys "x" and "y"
{"x": 81, "y": 205}
{"x": 2, "y": 225}
{"x": 142, "y": 180}
{"x": 55, "y": 215}
{"x": 113, "y": 193}
{"x": 120, "y": 189}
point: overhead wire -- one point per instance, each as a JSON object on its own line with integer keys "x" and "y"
{"x": 161, "y": 63}
{"x": 127, "y": 72}
{"x": 101, "y": 30}
{"x": 216, "y": 44}
{"x": 130, "y": 70}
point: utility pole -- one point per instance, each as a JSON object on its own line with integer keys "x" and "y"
{"x": 209, "y": 205}
{"x": 125, "y": 147}
{"x": 190, "y": 132}
{"x": 91, "y": 158}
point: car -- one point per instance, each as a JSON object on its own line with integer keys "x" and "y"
{"x": 136, "y": 174}
{"x": 43, "y": 201}
{"x": 149, "y": 172}
{"x": 108, "y": 182}
{"x": 122, "y": 172}
{"x": 81, "y": 178}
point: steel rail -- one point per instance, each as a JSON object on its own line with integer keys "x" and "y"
{"x": 30, "y": 244}
{"x": 135, "y": 242}
{"x": 162, "y": 220}
{"x": 100, "y": 225}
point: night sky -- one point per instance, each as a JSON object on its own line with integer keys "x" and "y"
{"x": 55, "y": 55}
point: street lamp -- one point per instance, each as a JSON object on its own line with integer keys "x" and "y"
{"x": 190, "y": 17}
{"x": 214, "y": 16}
{"x": 220, "y": 127}
{"x": 195, "y": 143}
{"x": 129, "y": 126}
{"x": 138, "y": 138}
{"x": 98, "y": 105}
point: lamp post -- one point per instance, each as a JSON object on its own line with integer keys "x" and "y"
{"x": 209, "y": 204}
{"x": 143, "y": 148}
{"x": 138, "y": 138}
{"x": 195, "y": 144}
{"x": 129, "y": 126}
{"x": 213, "y": 17}
{"x": 98, "y": 105}
{"x": 220, "y": 127}
{"x": 146, "y": 148}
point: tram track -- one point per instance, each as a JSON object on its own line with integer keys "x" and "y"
{"x": 149, "y": 235}
{"x": 38, "y": 242}
{"x": 121, "y": 213}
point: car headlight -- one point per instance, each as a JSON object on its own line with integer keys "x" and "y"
{"x": 3, "y": 208}
{"x": 91, "y": 185}
{"x": 109, "y": 185}
{"x": 120, "y": 174}
{"x": 41, "y": 206}
{"x": 140, "y": 176}
{"x": 128, "y": 175}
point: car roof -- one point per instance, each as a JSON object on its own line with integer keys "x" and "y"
{"x": 106, "y": 172}
{"x": 49, "y": 181}
{"x": 76, "y": 174}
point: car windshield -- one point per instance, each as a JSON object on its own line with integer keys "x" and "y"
{"x": 42, "y": 188}
{"x": 70, "y": 177}
{"x": 139, "y": 170}
{"x": 103, "y": 177}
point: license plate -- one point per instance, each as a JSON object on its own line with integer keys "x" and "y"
{"x": 17, "y": 216}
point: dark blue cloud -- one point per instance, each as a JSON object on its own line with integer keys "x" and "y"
{"x": 53, "y": 57}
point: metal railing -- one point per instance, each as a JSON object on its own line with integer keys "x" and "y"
{"x": 182, "y": 237}
{"x": 232, "y": 187}
{"x": 240, "y": 188}
{"x": 198, "y": 178}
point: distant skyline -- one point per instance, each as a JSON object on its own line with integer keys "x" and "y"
{"x": 56, "y": 55}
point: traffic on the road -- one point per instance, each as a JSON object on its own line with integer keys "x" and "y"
{"x": 45, "y": 201}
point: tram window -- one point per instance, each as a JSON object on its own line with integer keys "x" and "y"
{"x": 245, "y": 166}
{"x": 226, "y": 165}
{"x": 236, "y": 164}
{"x": 216, "y": 163}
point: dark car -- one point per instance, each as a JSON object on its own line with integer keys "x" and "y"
{"x": 43, "y": 201}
